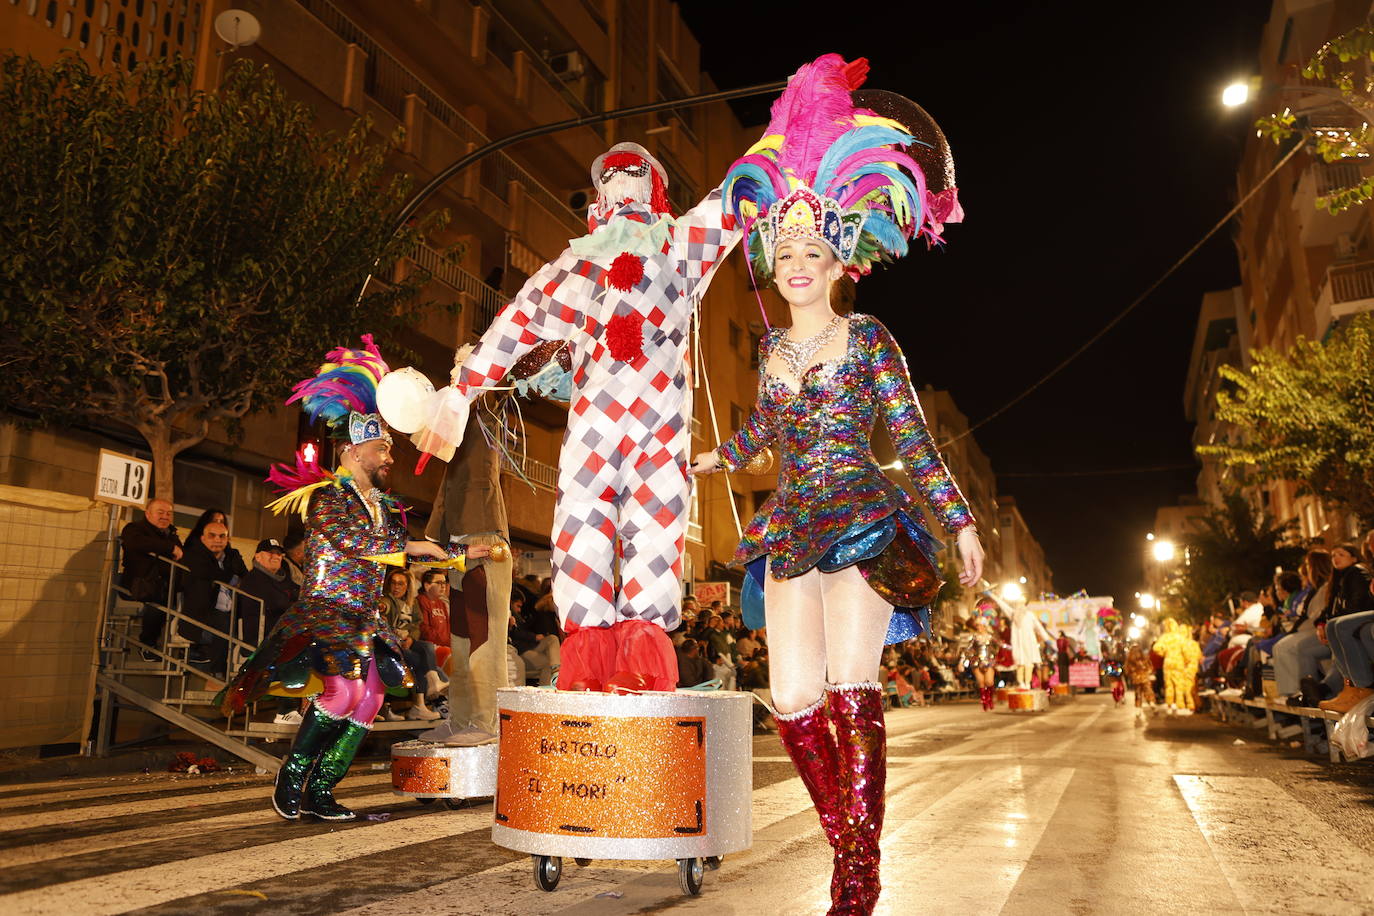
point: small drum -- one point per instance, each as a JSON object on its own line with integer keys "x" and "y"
{"x": 426, "y": 771}
{"x": 1027, "y": 700}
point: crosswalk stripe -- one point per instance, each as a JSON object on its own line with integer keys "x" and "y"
{"x": 783, "y": 818}
{"x": 72, "y": 794}
{"x": 1237, "y": 813}
{"x": 123, "y": 839}
{"x": 144, "y": 806}
{"x": 157, "y": 884}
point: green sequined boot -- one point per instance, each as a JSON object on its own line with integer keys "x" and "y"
{"x": 333, "y": 766}
{"x": 316, "y": 732}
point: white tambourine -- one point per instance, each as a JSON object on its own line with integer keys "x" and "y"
{"x": 405, "y": 399}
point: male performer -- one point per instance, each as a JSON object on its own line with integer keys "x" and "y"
{"x": 333, "y": 644}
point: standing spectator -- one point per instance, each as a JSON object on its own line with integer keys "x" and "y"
{"x": 144, "y": 544}
{"x": 210, "y": 566}
{"x": 206, "y": 517}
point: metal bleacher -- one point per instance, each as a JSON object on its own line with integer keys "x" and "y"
{"x": 1261, "y": 712}
{"x": 182, "y": 696}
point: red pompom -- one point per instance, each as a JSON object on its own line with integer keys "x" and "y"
{"x": 625, "y": 337}
{"x": 626, "y": 271}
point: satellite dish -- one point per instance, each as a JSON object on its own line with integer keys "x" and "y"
{"x": 237, "y": 28}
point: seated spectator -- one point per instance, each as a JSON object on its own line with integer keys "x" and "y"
{"x": 433, "y": 606}
{"x": 266, "y": 583}
{"x": 210, "y": 566}
{"x": 753, "y": 674}
{"x": 418, "y": 654}
{"x": 692, "y": 668}
{"x": 1346, "y": 628}
{"x": 746, "y": 644}
{"x": 1298, "y": 656}
{"x": 719, "y": 670}
{"x": 144, "y": 544}
{"x": 542, "y": 619}
{"x": 539, "y": 651}
{"x": 293, "y": 564}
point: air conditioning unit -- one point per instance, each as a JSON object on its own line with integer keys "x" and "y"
{"x": 1345, "y": 247}
{"x": 581, "y": 199}
{"x": 569, "y": 66}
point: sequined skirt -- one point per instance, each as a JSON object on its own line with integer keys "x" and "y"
{"x": 314, "y": 640}
{"x": 898, "y": 559}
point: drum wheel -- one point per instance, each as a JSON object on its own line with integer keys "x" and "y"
{"x": 582, "y": 862}
{"x": 689, "y": 874}
{"x": 713, "y": 862}
{"x": 455, "y": 804}
{"x": 425, "y": 801}
{"x": 547, "y": 871}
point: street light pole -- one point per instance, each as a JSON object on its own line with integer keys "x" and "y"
{"x": 446, "y": 174}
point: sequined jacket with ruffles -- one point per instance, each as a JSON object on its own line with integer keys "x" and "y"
{"x": 829, "y": 482}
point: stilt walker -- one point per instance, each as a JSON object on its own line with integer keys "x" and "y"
{"x": 833, "y": 188}
{"x": 623, "y": 296}
{"x": 333, "y": 645}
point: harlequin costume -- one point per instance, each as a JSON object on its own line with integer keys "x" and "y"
{"x": 832, "y": 169}
{"x": 332, "y": 644}
{"x": 623, "y": 296}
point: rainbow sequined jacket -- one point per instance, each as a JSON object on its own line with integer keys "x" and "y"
{"x": 829, "y": 483}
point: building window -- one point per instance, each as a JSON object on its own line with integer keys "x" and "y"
{"x": 736, "y": 337}
{"x": 682, "y": 192}
{"x": 670, "y": 87}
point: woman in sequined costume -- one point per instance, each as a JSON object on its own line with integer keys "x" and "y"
{"x": 980, "y": 646}
{"x": 333, "y": 643}
{"x": 838, "y": 545}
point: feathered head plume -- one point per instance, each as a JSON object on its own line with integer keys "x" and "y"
{"x": 829, "y": 169}
{"x": 343, "y": 393}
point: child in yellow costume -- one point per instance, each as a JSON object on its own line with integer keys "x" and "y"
{"x": 1181, "y": 656}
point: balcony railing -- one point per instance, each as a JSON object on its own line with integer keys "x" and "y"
{"x": 1351, "y": 282}
{"x": 544, "y": 476}
{"x": 389, "y": 82}
{"x": 513, "y": 36}
{"x": 484, "y": 300}
{"x": 1333, "y": 176}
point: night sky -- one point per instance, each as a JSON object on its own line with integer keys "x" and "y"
{"x": 1091, "y": 152}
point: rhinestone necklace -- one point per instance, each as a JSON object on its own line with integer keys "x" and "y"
{"x": 797, "y": 354}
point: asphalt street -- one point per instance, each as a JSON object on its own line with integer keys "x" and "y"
{"x": 1076, "y": 810}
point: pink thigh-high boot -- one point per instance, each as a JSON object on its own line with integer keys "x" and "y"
{"x": 806, "y": 736}
{"x": 861, "y": 743}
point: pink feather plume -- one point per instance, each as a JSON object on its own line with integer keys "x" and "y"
{"x": 814, "y": 110}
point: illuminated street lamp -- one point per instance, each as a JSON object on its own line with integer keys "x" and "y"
{"x": 1147, "y": 602}
{"x": 1235, "y": 95}
{"x": 1163, "y": 551}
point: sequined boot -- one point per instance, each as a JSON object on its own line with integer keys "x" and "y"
{"x": 333, "y": 766}
{"x": 806, "y": 735}
{"x": 861, "y": 742}
{"x": 985, "y": 694}
{"x": 316, "y": 731}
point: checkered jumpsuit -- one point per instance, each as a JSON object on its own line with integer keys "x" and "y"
{"x": 622, "y": 469}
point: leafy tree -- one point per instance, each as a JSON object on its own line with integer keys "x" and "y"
{"x": 1343, "y": 62}
{"x": 1307, "y": 414}
{"x": 175, "y": 258}
{"x": 1231, "y": 550}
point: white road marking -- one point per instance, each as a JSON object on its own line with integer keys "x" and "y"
{"x": 1240, "y": 814}
{"x": 156, "y": 884}
{"x": 125, "y": 809}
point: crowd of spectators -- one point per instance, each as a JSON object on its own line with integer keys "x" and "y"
{"x": 1312, "y": 627}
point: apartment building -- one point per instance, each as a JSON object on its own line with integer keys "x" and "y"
{"x": 1303, "y": 270}
{"x": 453, "y": 74}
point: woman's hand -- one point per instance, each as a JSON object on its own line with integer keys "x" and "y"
{"x": 1321, "y": 634}
{"x": 705, "y": 463}
{"x": 478, "y": 551}
{"x": 427, "y": 549}
{"x": 971, "y": 552}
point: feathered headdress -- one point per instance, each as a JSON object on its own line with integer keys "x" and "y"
{"x": 343, "y": 393}
{"x": 831, "y": 169}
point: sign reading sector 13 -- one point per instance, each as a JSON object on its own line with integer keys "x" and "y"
{"x": 602, "y": 776}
